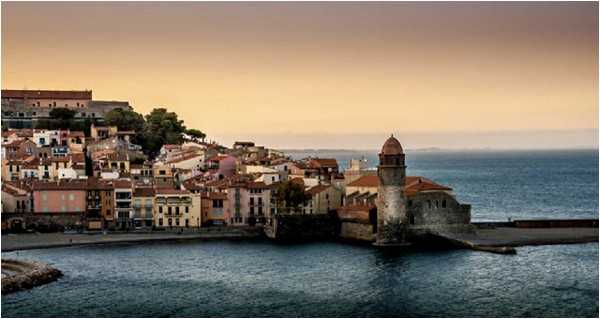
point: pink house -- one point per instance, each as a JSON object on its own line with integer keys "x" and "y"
{"x": 64, "y": 196}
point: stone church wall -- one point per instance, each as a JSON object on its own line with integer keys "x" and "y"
{"x": 437, "y": 208}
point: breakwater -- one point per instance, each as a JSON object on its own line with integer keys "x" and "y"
{"x": 19, "y": 275}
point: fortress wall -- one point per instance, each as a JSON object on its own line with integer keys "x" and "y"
{"x": 357, "y": 231}
{"x": 428, "y": 209}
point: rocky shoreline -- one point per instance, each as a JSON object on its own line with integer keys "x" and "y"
{"x": 20, "y": 275}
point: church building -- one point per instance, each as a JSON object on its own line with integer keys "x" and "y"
{"x": 394, "y": 209}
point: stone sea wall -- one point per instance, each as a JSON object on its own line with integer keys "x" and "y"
{"x": 302, "y": 227}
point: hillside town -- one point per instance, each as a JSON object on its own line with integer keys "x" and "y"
{"x": 98, "y": 179}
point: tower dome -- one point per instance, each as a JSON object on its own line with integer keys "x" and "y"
{"x": 392, "y": 147}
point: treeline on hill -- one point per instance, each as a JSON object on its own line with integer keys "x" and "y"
{"x": 152, "y": 131}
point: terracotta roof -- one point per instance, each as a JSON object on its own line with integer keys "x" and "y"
{"x": 26, "y": 132}
{"x": 16, "y": 188}
{"x": 98, "y": 183}
{"x": 413, "y": 184}
{"x": 322, "y": 162}
{"x": 60, "y": 159}
{"x": 365, "y": 181}
{"x": 257, "y": 185}
{"x": 217, "y": 183}
{"x": 121, "y": 183}
{"x": 217, "y": 195}
{"x": 8, "y": 133}
{"x": 144, "y": 192}
{"x": 171, "y": 191}
{"x": 47, "y": 94}
{"x": 183, "y": 157}
{"x": 317, "y": 189}
{"x": 171, "y": 146}
{"x": 392, "y": 147}
{"x": 60, "y": 185}
{"x": 419, "y": 184}
{"x": 77, "y": 157}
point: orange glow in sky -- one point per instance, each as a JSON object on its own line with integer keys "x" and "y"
{"x": 237, "y": 69}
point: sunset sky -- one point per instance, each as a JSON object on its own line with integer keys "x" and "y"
{"x": 294, "y": 75}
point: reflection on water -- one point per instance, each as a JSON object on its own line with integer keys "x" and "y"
{"x": 319, "y": 279}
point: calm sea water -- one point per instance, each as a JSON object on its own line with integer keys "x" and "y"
{"x": 258, "y": 278}
{"x": 249, "y": 279}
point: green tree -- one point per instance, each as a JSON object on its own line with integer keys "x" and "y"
{"x": 62, "y": 113}
{"x": 125, "y": 120}
{"x": 289, "y": 196}
{"x": 162, "y": 127}
{"x": 61, "y": 118}
{"x": 196, "y": 134}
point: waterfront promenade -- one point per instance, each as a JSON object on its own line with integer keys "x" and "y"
{"x": 11, "y": 242}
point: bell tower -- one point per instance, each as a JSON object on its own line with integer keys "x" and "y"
{"x": 391, "y": 201}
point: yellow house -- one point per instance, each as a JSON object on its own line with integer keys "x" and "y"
{"x": 176, "y": 208}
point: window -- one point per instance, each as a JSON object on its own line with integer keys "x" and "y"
{"x": 187, "y": 209}
{"x": 168, "y": 210}
{"x": 160, "y": 210}
{"x": 160, "y": 222}
{"x": 410, "y": 203}
{"x": 187, "y": 223}
{"x": 177, "y": 210}
{"x": 437, "y": 204}
{"x": 444, "y": 203}
{"x": 428, "y": 203}
{"x": 177, "y": 221}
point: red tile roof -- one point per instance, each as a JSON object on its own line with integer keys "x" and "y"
{"x": 317, "y": 189}
{"x": 413, "y": 184}
{"x": 171, "y": 191}
{"x": 59, "y": 185}
{"x": 144, "y": 192}
{"x": 47, "y": 94}
{"x": 323, "y": 162}
{"x": 121, "y": 183}
{"x": 365, "y": 181}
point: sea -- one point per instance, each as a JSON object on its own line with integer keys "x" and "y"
{"x": 259, "y": 278}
